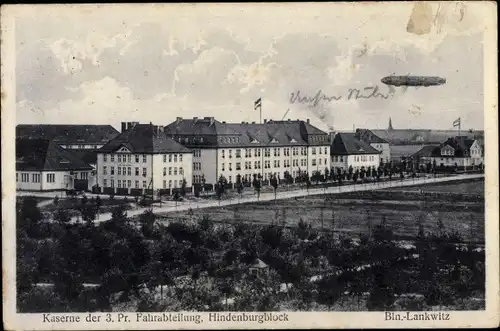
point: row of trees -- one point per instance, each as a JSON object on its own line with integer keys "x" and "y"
{"x": 204, "y": 263}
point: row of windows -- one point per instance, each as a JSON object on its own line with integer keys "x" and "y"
{"x": 123, "y": 183}
{"x": 196, "y": 165}
{"x": 181, "y": 171}
{"x": 129, "y": 157}
{"x": 128, "y": 183}
{"x": 364, "y": 158}
{"x": 35, "y": 178}
{"x": 276, "y": 151}
{"x": 276, "y": 164}
{"x": 127, "y": 171}
{"x": 337, "y": 158}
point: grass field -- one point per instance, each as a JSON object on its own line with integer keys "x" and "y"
{"x": 357, "y": 215}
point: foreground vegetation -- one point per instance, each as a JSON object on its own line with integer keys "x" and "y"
{"x": 206, "y": 266}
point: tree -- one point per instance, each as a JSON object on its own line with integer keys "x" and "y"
{"x": 62, "y": 217}
{"x": 56, "y": 201}
{"x": 256, "y": 185}
{"x": 220, "y": 187}
{"x": 349, "y": 172}
{"x": 183, "y": 187}
{"x": 355, "y": 176}
{"x": 274, "y": 184}
{"x": 362, "y": 173}
{"x": 98, "y": 204}
{"x": 29, "y": 216}
{"x": 148, "y": 221}
{"x": 239, "y": 184}
{"x": 327, "y": 174}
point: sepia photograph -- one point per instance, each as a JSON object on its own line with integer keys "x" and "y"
{"x": 195, "y": 165}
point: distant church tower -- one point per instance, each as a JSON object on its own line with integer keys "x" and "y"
{"x": 390, "y": 124}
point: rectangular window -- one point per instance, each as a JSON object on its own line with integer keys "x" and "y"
{"x": 238, "y": 153}
{"x": 230, "y": 153}
{"x": 129, "y": 158}
{"x": 112, "y": 170}
{"x": 17, "y": 177}
{"x": 119, "y": 183}
{"x": 137, "y": 171}
{"x": 222, "y": 166}
{"x": 137, "y": 158}
{"x": 169, "y": 184}
{"x": 136, "y": 184}
{"x": 112, "y": 157}
{"x": 144, "y": 184}
{"x": 105, "y": 182}
{"x": 181, "y": 171}
{"x": 319, "y": 161}
{"x": 238, "y": 166}
{"x": 313, "y": 162}
{"x": 175, "y": 157}
{"x": 144, "y": 172}
{"x": 119, "y": 158}
{"x": 164, "y": 171}
{"x": 230, "y": 167}
{"x": 104, "y": 170}
{"x": 313, "y": 150}
{"x": 169, "y": 157}
{"x": 112, "y": 183}
{"x": 175, "y": 171}
{"x": 144, "y": 158}
{"x": 129, "y": 171}
{"x": 105, "y": 157}
{"x": 36, "y": 178}
{"x": 129, "y": 183}
{"x": 169, "y": 171}
{"x": 165, "y": 158}
{"x": 180, "y": 157}
{"x": 119, "y": 170}
{"x": 164, "y": 184}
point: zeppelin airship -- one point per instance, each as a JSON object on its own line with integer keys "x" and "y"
{"x": 413, "y": 80}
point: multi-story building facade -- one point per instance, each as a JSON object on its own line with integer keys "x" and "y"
{"x": 143, "y": 158}
{"x": 348, "y": 151}
{"x": 376, "y": 142}
{"x": 83, "y": 140}
{"x": 248, "y": 149}
{"x": 42, "y": 165}
{"x": 458, "y": 151}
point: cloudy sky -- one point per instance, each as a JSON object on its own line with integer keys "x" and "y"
{"x": 154, "y": 63}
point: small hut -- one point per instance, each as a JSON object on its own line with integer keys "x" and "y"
{"x": 258, "y": 266}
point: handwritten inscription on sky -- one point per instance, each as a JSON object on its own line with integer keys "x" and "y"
{"x": 370, "y": 92}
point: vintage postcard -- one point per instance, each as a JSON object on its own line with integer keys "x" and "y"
{"x": 250, "y": 166}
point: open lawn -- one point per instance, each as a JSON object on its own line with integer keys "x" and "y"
{"x": 357, "y": 213}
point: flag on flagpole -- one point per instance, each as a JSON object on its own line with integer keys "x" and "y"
{"x": 258, "y": 104}
{"x": 456, "y": 122}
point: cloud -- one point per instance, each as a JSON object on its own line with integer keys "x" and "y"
{"x": 153, "y": 67}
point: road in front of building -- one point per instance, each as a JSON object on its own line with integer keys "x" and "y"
{"x": 172, "y": 206}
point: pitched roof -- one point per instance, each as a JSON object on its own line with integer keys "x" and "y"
{"x": 144, "y": 138}
{"x": 369, "y": 137}
{"x": 461, "y": 145}
{"x": 221, "y": 134}
{"x": 417, "y": 136}
{"x": 348, "y": 144}
{"x": 68, "y": 134}
{"x": 86, "y": 155}
{"x": 425, "y": 151}
{"x": 45, "y": 155}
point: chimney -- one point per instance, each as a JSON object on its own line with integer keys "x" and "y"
{"x": 308, "y": 121}
{"x": 195, "y": 119}
{"x": 132, "y": 125}
{"x": 124, "y": 126}
{"x": 253, "y": 122}
{"x": 289, "y": 120}
{"x": 331, "y": 136}
{"x": 212, "y": 120}
{"x": 223, "y": 122}
{"x": 265, "y": 120}
{"x": 242, "y": 122}
{"x": 178, "y": 119}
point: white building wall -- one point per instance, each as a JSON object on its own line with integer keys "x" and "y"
{"x": 356, "y": 161}
{"x": 150, "y": 164}
{"x": 62, "y": 181}
{"x": 385, "y": 148}
{"x": 318, "y": 159}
